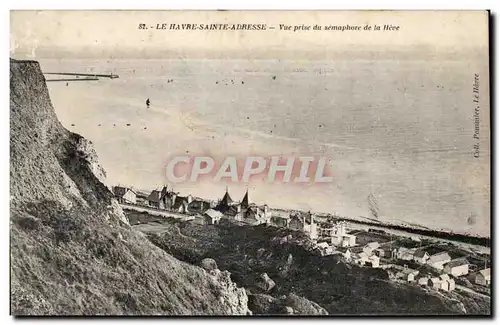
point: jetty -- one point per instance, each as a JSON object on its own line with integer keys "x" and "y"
{"x": 75, "y": 76}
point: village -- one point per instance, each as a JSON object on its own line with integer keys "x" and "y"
{"x": 430, "y": 264}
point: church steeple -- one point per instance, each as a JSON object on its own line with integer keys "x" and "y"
{"x": 226, "y": 200}
{"x": 244, "y": 202}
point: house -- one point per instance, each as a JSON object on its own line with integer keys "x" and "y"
{"x": 405, "y": 254}
{"x": 206, "y": 218}
{"x": 162, "y": 199}
{"x": 125, "y": 194}
{"x": 438, "y": 260}
{"x": 322, "y": 245}
{"x": 368, "y": 248}
{"x": 154, "y": 200}
{"x": 304, "y": 222}
{"x": 167, "y": 197}
{"x": 380, "y": 252}
{"x": 330, "y": 229}
{"x": 311, "y": 228}
{"x": 451, "y": 284}
{"x": 423, "y": 281}
{"x": 227, "y": 206}
{"x": 243, "y": 211}
{"x": 373, "y": 261}
{"x": 348, "y": 240}
{"x": 457, "y": 267}
{"x": 142, "y": 198}
{"x": 364, "y": 260}
{"x": 447, "y": 284}
{"x": 212, "y": 217}
{"x": 324, "y": 249}
{"x": 434, "y": 283}
{"x": 198, "y": 206}
{"x": 407, "y": 274}
{"x": 444, "y": 283}
{"x": 297, "y": 222}
{"x": 339, "y": 235}
{"x": 253, "y": 214}
{"x": 344, "y": 251}
{"x": 250, "y": 213}
{"x": 421, "y": 256}
{"x": 410, "y": 274}
{"x": 181, "y": 204}
{"x": 361, "y": 258}
{"x": 483, "y": 277}
{"x": 279, "y": 221}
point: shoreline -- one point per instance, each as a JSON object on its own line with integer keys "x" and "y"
{"x": 470, "y": 239}
{"x": 443, "y": 235}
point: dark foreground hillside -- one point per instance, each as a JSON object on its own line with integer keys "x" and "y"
{"x": 287, "y": 258}
{"x": 72, "y": 249}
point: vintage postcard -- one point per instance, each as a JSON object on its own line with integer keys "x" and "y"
{"x": 250, "y": 163}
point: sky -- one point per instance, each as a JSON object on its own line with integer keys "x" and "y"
{"x": 103, "y": 34}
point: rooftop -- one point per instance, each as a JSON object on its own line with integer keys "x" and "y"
{"x": 154, "y": 196}
{"x": 119, "y": 190}
{"x": 440, "y": 257}
{"x": 458, "y": 262}
{"x": 213, "y": 214}
{"x": 420, "y": 253}
{"x": 486, "y": 272}
{"x": 179, "y": 201}
{"x": 373, "y": 245}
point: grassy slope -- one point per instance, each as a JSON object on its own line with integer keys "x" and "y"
{"x": 71, "y": 253}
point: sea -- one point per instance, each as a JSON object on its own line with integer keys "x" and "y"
{"x": 399, "y": 131}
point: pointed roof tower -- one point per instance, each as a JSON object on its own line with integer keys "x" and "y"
{"x": 164, "y": 190}
{"x": 244, "y": 202}
{"x": 226, "y": 200}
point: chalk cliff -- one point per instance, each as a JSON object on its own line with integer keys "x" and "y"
{"x": 72, "y": 249}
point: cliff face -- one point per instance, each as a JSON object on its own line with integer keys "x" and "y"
{"x": 72, "y": 250}
{"x": 85, "y": 150}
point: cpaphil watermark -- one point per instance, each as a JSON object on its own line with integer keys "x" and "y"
{"x": 305, "y": 169}
{"x": 475, "y": 100}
